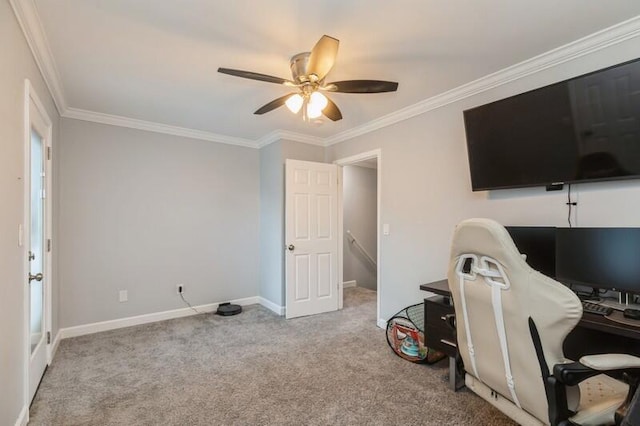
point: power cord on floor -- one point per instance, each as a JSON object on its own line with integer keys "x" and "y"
{"x": 189, "y": 304}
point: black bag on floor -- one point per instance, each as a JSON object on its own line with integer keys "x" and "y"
{"x": 405, "y": 335}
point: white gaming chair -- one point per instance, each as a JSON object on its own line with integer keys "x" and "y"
{"x": 511, "y": 322}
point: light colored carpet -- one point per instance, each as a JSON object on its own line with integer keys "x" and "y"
{"x": 255, "y": 368}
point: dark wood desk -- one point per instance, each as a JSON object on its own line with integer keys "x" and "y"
{"x": 438, "y": 287}
{"x": 594, "y": 333}
{"x": 438, "y": 334}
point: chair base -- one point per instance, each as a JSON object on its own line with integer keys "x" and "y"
{"x": 503, "y": 404}
{"x": 607, "y": 392}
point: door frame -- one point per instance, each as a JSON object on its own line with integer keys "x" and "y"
{"x": 31, "y": 100}
{"x": 346, "y": 161}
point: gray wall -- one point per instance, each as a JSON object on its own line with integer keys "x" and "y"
{"x": 271, "y": 214}
{"x": 16, "y": 64}
{"x": 360, "y": 203}
{"x": 272, "y": 158}
{"x": 142, "y": 212}
{"x": 426, "y": 186}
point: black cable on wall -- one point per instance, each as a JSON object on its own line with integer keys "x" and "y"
{"x": 570, "y": 203}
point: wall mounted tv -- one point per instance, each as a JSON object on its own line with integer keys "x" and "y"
{"x": 579, "y": 130}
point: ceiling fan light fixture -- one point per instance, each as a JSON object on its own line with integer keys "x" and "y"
{"x": 313, "y": 111}
{"x": 308, "y": 71}
{"x": 318, "y": 100}
{"x": 294, "y": 103}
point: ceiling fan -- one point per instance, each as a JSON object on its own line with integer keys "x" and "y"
{"x": 308, "y": 70}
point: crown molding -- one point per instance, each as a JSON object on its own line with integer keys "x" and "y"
{"x": 277, "y": 135}
{"x": 27, "y": 16}
{"x": 586, "y": 45}
{"x": 29, "y": 21}
{"x": 150, "y": 126}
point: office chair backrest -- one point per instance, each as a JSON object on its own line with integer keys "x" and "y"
{"x": 495, "y": 294}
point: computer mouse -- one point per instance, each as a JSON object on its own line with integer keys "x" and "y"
{"x": 631, "y": 313}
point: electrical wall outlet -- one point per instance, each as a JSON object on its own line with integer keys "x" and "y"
{"x": 123, "y": 296}
{"x": 179, "y": 288}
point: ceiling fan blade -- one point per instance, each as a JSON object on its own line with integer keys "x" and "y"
{"x": 255, "y": 76}
{"x": 363, "y": 86}
{"x": 276, "y": 103}
{"x": 323, "y": 56}
{"x": 331, "y": 111}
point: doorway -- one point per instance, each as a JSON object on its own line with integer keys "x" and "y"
{"x": 359, "y": 223}
{"x": 36, "y": 240}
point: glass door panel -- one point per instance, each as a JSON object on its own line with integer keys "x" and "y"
{"x": 36, "y": 252}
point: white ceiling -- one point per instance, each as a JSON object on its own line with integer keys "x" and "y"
{"x": 156, "y": 60}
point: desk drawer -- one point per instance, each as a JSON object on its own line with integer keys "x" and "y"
{"x": 438, "y": 335}
{"x": 435, "y": 310}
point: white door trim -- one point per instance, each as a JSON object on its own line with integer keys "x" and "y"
{"x": 376, "y": 153}
{"x": 31, "y": 99}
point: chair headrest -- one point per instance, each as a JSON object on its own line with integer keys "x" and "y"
{"x": 485, "y": 237}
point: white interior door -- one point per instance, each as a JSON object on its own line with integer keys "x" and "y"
{"x": 311, "y": 236}
{"x": 37, "y": 226}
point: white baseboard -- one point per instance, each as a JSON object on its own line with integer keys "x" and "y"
{"x": 272, "y": 306}
{"x": 382, "y": 323}
{"x": 23, "y": 417}
{"x": 96, "y": 327}
{"x": 54, "y": 346}
{"x": 347, "y": 284}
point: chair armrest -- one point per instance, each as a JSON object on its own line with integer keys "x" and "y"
{"x": 572, "y": 373}
{"x": 606, "y": 362}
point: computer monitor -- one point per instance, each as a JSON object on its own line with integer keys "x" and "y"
{"x": 539, "y": 244}
{"x": 606, "y": 258}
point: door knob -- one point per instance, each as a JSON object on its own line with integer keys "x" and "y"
{"x": 291, "y": 247}
{"x": 37, "y": 277}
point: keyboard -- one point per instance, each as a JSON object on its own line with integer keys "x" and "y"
{"x": 594, "y": 308}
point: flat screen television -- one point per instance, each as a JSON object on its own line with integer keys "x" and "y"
{"x": 538, "y": 243}
{"x": 583, "y": 129}
{"x": 606, "y": 258}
